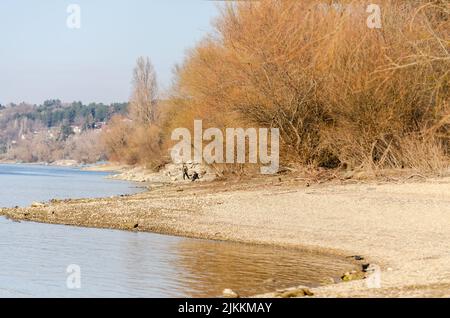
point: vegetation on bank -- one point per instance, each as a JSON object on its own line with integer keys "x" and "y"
{"x": 341, "y": 93}
{"x": 135, "y": 138}
{"x": 54, "y": 131}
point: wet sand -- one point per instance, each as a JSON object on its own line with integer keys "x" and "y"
{"x": 404, "y": 227}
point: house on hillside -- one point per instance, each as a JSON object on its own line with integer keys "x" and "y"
{"x": 76, "y": 129}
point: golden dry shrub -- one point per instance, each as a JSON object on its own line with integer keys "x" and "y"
{"x": 145, "y": 146}
{"x": 338, "y": 90}
{"x": 130, "y": 143}
{"x": 389, "y": 87}
{"x": 116, "y": 139}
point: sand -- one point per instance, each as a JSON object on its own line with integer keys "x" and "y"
{"x": 404, "y": 227}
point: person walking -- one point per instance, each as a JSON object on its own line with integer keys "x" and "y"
{"x": 185, "y": 172}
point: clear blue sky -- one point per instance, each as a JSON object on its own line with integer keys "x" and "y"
{"x": 40, "y": 58}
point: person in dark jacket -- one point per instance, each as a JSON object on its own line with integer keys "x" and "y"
{"x": 185, "y": 172}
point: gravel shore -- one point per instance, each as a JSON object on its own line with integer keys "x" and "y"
{"x": 403, "y": 227}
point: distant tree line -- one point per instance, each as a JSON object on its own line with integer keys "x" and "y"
{"x": 52, "y": 113}
{"x": 54, "y": 130}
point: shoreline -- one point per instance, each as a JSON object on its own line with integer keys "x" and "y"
{"x": 270, "y": 212}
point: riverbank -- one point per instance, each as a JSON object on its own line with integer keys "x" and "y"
{"x": 403, "y": 226}
{"x": 57, "y": 163}
{"x": 169, "y": 174}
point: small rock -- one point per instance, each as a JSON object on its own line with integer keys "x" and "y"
{"x": 269, "y": 281}
{"x": 346, "y": 277}
{"x": 229, "y": 293}
{"x": 349, "y": 276}
{"x": 328, "y": 281}
{"x": 298, "y": 292}
{"x": 357, "y": 257}
{"x": 37, "y": 205}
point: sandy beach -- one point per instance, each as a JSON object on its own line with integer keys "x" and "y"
{"x": 404, "y": 226}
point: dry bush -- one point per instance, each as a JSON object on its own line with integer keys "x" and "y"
{"x": 85, "y": 148}
{"x": 389, "y": 88}
{"x": 126, "y": 142}
{"x": 115, "y": 139}
{"x": 428, "y": 155}
{"x": 145, "y": 144}
{"x": 337, "y": 90}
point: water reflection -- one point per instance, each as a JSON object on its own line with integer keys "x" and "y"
{"x": 34, "y": 258}
{"x": 206, "y": 268}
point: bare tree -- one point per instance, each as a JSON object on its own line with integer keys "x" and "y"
{"x": 143, "y": 101}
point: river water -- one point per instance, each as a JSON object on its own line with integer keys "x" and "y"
{"x": 35, "y": 258}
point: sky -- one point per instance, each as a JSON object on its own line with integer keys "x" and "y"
{"x": 42, "y": 58}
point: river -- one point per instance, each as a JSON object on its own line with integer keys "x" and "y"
{"x": 34, "y": 258}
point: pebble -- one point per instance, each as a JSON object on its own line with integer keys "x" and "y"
{"x": 229, "y": 293}
{"x": 293, "y": 293}
{"x": 349, "y": 276}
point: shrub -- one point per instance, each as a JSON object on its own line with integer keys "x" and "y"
{"x": 338, "y": 91}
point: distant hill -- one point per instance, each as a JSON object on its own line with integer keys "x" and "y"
{"x": 42, "y": 132}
